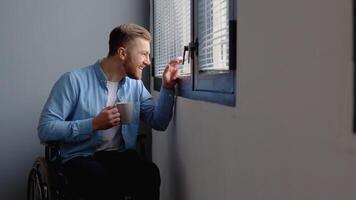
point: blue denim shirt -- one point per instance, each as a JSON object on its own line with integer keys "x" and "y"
{"x": 78, "y": 96}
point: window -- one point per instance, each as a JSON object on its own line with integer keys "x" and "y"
{"x": 204, "y": 32}
{"x": 172, "y": 30}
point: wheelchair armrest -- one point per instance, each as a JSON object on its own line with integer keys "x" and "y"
{"x": 52, "y": 152}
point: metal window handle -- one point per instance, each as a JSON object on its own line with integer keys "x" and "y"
{"x": 185, "y": 49}
{"x": 190, "y": 48}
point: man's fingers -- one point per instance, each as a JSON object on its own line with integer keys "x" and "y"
{"x": 107, "y": 108}
{"x": 114, "y": 116}
{"x": 171, "y": 72}
{"x": 172, "y": 68}
{"x": 113, "y": 110}
{"x": 176, "y": 61}
{"x": 115, "y": 121}
{"x": 175, "y": 73}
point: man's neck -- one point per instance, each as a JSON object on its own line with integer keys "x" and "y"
{"x": 113, "y": 69}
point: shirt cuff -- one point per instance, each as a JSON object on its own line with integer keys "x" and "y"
{"x": 168, "y": 92}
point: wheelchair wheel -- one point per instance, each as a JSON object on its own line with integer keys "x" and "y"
{"x": 40, "y": 184}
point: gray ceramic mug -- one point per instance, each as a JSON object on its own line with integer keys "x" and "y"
{"x": 126, "y": 111}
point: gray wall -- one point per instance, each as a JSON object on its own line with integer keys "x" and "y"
{"x": 40, "y": 40}
{"x": 290, "y": 135}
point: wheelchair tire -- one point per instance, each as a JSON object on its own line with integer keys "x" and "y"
{"x": 40, "y": 184}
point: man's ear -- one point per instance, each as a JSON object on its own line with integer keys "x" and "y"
{"x": 121, "y": 51}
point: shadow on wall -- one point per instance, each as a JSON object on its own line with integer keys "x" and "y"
{"x": 176, "y": 171}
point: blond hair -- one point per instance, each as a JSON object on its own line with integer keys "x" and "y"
{"x": 121, "y": 35}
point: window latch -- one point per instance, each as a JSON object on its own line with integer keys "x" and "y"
{"x": 190, "y": 48}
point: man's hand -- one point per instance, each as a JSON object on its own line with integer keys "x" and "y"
{"x": 170, "y": 74}
{"x": 107, "y": 118}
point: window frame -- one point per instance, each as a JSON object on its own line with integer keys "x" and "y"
{"x": 215, "y": 88}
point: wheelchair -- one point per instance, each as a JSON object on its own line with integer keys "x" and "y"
{"x": 46, "y": 181}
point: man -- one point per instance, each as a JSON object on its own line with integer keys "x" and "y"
{"x": 97, "y": 150}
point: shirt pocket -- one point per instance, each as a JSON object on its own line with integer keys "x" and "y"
{"x": 89, "y": 108}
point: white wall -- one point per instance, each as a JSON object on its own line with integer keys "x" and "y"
{"x": 40, "y": 40}
{"x": 290, "y": 135}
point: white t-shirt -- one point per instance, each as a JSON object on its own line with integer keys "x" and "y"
{"x": 112, "y": 137}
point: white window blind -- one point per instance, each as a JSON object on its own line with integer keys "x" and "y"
{"x": 172, "y": 30}
{"x": 213, "y": 29}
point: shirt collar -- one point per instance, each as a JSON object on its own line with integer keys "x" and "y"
{"x": 101, "y": 75}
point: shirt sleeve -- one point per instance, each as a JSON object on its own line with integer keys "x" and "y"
{"x": 157, "y": 115}
{"x": 53, "y": 124}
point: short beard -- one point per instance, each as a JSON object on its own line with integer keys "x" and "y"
{"x": 127, "y": 67}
